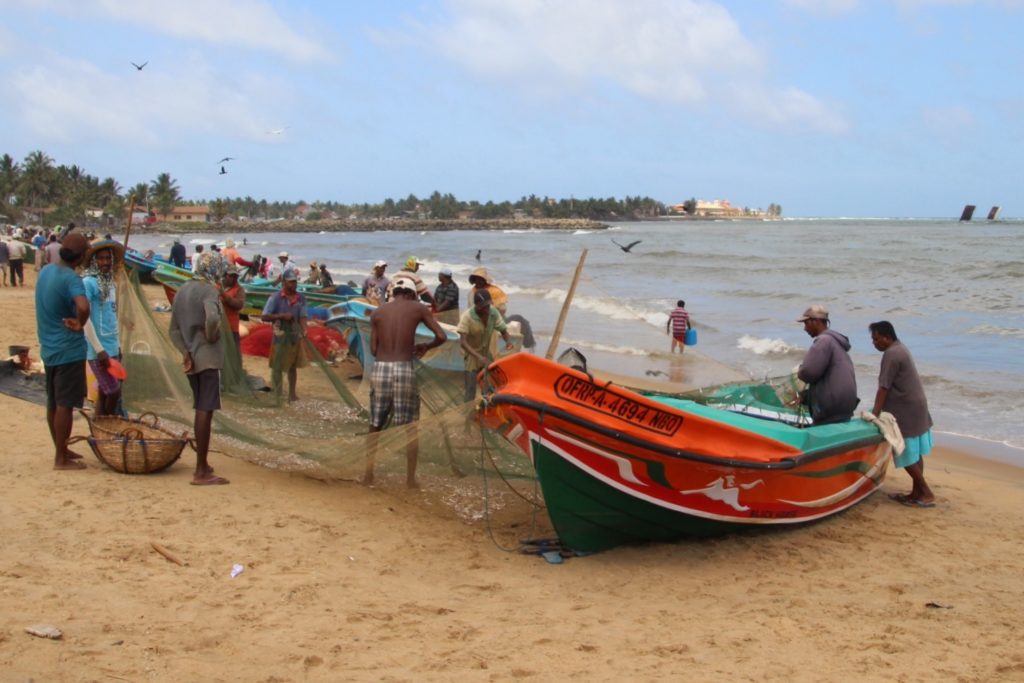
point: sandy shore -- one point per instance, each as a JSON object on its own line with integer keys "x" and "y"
{"x": 347, "y": 583}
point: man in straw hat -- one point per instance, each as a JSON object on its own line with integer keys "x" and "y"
{"x": 827, "y": 369}
{"x": 393, "y": 390}
{"x": 195, "y": 331}
{"x": 481, "y": 281}
{"x": 102, "y": 260}
{"x": 62, "y": 310}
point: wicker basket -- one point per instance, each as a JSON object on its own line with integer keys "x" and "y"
{"x": 133, "y": 446}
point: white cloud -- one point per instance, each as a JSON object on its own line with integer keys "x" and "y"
{"x": 688, "y": 52}
{"x": 68, "y": 100}
{"x": 250, "y": 24}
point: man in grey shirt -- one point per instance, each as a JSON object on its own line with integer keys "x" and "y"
{"x": 828, "y": 370}
{"x": 195, "y": 331}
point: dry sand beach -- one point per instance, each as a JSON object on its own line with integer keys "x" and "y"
{"x": 347, "y": 583}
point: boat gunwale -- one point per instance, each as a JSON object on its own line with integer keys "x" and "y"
{"x": 787, "y": 463}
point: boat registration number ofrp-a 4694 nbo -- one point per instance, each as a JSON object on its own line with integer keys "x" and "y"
{"x": 609, "y": 402}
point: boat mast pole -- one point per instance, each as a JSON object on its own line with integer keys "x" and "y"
{"x": 565, "y": 308}
{"x": 131, "y": 212}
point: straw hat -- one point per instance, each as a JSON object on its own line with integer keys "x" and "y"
{"x": 116, "y": 247}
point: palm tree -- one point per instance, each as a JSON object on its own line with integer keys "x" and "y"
{"x": 10, "y": 174}
{"x": 165, "y": 193}
{"x": 37, "y": 175}
{"x": 141, "y": 193}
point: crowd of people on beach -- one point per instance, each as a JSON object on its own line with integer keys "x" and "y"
{"x": 77, "y": 324}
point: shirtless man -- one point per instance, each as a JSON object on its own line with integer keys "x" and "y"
{"x": 393, "y": 390}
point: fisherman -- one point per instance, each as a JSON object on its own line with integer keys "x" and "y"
{"x": 232, "y": 296}
{"x": 393, "y": 390}
{"x": 177, "y": 255}
{"x": 286, "y": 309}
{"x": 375, "y": 286}
{"x": 103, "y": 260}
{"x": 195, "y": 331}
{"x": 476, "y": 326}
{"x": 481, "y": 281}
{"x": 62, "y": 310}
{"x": 446, "y": 298}
{"x": 901, "y": 393}
{"x": 827, "y": 369}
{"x": 276, "y": 271}
{"x": 412, "y": 264}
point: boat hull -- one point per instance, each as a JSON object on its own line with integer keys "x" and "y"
{"x": 668, "y": 473}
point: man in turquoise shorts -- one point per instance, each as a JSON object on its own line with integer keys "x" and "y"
{"x": 901, "y": 393}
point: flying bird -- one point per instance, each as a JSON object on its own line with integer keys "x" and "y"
{"x": 628, "y": 247}
{"x": 223, "y": 171}
{"x": 278, "y": 131}
{"x": 140, "y": 67}
{"x": 226, "y": 159}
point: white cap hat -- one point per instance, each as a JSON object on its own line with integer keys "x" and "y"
{"x": 283, "y": 254}
{"x": 380, "y": 264}
{"x": 815, "y": 312}
{"x": 404, "y": 283}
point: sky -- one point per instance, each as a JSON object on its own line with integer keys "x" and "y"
{"x": 875, "y": 108}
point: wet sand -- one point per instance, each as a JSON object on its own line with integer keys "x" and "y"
{"x": 347, "y": 583}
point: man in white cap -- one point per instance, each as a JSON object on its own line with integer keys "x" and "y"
{"x": 375, "y": 286}
{"x": 827, "y": 369}
{"x": 277, "y": 270}
{"x": 393, "y": 391}
{"x": 446, "y": 298}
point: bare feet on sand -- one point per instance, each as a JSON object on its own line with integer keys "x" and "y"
{"x": 68, "y": 465}
{"x": 207, "y": 478}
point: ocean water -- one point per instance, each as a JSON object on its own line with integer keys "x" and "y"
{"x": 954, "y": 292}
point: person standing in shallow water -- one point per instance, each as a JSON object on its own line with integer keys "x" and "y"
{"x": 901, "y": 393}
{"x": 677, "y": 325}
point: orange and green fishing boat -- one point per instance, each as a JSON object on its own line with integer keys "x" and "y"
{"x": 620, "y": 466}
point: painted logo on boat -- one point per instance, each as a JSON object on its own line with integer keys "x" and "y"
{"x": 725, "y": 490}
{"x": 604, "y": 400}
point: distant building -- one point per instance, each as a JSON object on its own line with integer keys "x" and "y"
{"x": 186, "y": 214}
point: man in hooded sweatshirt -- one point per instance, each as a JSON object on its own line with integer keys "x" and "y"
{"x": 828, "y": 370}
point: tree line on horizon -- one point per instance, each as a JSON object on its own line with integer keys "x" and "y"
{"x": 68, "y": 192}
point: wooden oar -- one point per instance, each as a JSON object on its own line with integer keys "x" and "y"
{"x": 565, "y": 308}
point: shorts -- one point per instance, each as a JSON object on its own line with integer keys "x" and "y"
{"x": 681, "y": 338}
{"x": 915, "y": 448}
{"x": 393, "y": 392}
{"x": 205, "y": 390}
{"x": 285, "y": 355}
{"x": 105, "y": 382}
{"x": 65, "y": 385}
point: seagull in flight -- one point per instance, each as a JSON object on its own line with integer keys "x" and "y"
{"x": 140, "y": 67}
{"x": 278, "y": 131}
{"x": 223, "y": 171}
{"x": 225, "y": 159}
{"x": 628, "y": 247}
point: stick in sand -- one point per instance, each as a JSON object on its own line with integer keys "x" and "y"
{"x": 565, "y": 308}
{"x": 168, "y": 554}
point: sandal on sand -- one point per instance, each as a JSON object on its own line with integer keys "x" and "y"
{"x": 210, "y": 481}
{"x": 915, "y": 503}
{"x": 900, "y": 497}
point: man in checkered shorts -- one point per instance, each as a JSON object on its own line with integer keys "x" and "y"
{"x": 393, "y": 391}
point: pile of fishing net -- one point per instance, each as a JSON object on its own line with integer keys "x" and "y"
{"x": 462, "y": 470}
{"x": 329, "y": 343}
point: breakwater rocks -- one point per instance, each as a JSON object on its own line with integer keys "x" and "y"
{"x": 371, "y": 225}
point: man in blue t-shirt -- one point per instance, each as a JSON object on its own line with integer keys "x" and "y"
{"x": 286, "y": 310}
{"x": 61, "y": 312}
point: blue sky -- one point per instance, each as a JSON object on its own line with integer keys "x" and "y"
{"x": 827, "y": 107}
